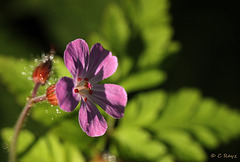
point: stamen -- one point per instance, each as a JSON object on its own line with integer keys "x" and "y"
{"x": 88, "y": 85}
{"x": 90, "y": 92}
{"x": 76, "y": 90}
{"x": 85, "y": 99}
{"x": 83, "y": 87}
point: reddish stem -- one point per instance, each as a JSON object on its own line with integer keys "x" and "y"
{"x": 19, "y": 123}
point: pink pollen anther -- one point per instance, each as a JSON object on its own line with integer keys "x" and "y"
{"x": 86, "y": 79}
{"x": 85, "y": 99}
{"x": 76, "y": 90}
{"x": 89, "y": 85}
{"x": 79, "y": 79}
{"x": 90, "y": 92}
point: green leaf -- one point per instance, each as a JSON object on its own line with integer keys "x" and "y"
{"x": 207, "y": 121}
{"x": 181, "y": 106}
{"x": 167, "y": 158}
{"x": 140, "y": 29}
{"x": 73, "y": 133}
{"x": 115, "y": 28}
{"x": 140, "y": 113}
{"x": 220, "y": 119}
{"x": 183, "y": 121}
{"x": 143, "y": 13}
{"x": 72, "y": 153}
{"x": 136, "y": 144}
{"x": 205, "y": 136}
{"x": 15, "y": 74}
{"x": 47, "y": 148}
{"x": 143, "y": 80}
{"x": 25, "y": 138}
{"x": 47, "y": 114}
{"x": 131, "y": 132}
{"x": 153, "y": 22}
{"x": 157, "y": 45}
{"x": 182, "y": 145}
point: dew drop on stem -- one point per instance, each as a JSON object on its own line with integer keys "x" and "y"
{"x": 24, "y": 73}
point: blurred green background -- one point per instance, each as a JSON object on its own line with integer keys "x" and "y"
{"x": 177, "y": 61}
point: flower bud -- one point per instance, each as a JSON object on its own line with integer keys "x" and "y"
{"x": 42, "y": 72}
{"x": 51, "y": 95}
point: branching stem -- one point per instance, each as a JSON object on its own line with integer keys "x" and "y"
{"x": 19, "y": 123}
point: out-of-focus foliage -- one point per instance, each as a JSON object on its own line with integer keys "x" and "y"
{"x": 179, "y": 125}
{"x": 141, "y": 40}
{"x": 166, "y": 126}
{"x": 157, "y": 125}
{"x": 16, "y": 72}
{"x": 47, "y": 148}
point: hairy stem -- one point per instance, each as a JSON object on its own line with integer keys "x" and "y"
{"x": 39, "y": 98}
{"x": 18, "y": 126}
{"x": 35, "y": 89}
{"x": 19, "y": 123}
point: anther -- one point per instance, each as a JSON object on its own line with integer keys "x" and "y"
{"x": 87, "y": 85}
{"x": 85, "y": 99}
{"x": 86, "y": 79}
{"x": 79, "y": 79}
{"x": 90, "y": 92}
{"x": 76, "y": 90}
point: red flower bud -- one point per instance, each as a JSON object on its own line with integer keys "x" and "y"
{"x": 42, "y": 72}
{"x": 51, "y": 95}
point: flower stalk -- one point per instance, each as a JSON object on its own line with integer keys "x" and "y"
{"x": 19, "y": 123}
{"x": 40, "y": 75}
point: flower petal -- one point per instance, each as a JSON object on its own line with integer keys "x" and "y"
{"x": 111, "y": 98}
{"x": 101, "y": 64}
{"x": 90, "y": 119}
{"x": 76, "y": 57}
{"x": 66, "y": 98}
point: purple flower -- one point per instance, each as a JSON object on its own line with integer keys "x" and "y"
{"x": 87, "y": 70}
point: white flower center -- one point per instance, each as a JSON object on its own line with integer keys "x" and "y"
{"x": 83, "y": 87}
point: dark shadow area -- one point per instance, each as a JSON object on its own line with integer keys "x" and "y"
{"x": 208, "y": 32}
